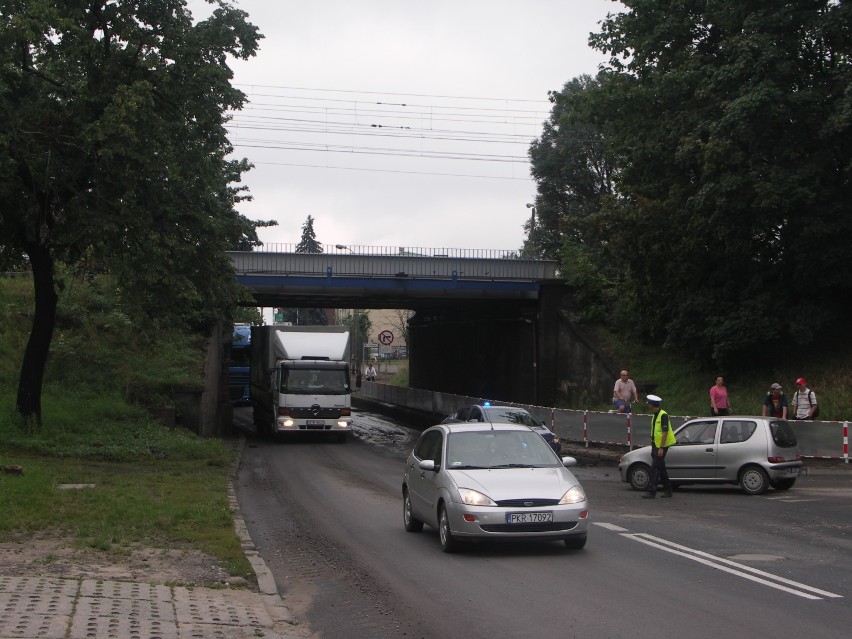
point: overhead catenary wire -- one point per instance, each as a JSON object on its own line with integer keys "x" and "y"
{"x": 293, "y": 120}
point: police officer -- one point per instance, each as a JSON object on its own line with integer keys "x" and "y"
{"x": 662, "y": 436}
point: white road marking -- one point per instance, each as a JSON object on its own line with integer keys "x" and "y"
{"x": 610, "y": 526}
{"x": 725, "y": 565}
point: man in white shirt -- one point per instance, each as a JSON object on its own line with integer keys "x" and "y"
{"x": 622, "y": 393}
{"x": 804, "y": 401}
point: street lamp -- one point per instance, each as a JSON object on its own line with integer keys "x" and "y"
{"x": 532, "y": 217}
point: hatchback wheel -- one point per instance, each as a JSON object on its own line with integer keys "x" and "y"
{"x": 754, "y": 480}
{"x": 448, "y": 542}
{"x": 412, "y": 524}
{"x": 784, "y": 484}
{"x": 639, "y": 476}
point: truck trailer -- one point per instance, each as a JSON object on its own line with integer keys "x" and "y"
{"x": 238, "y": 365}
{"x": 300, "y": 380}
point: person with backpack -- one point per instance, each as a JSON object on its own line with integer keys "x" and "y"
{"x": 805, "y": 405}
{"x": 775, "y": 402}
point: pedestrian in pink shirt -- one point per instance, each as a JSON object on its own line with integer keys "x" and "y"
{"x": 719, "y": 404}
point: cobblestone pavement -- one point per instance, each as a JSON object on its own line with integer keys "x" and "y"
{"x": 81, "y": 608}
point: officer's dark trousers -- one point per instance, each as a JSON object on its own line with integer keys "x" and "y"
{"x": 659, "y": 472}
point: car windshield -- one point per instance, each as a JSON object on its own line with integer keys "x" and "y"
{"x": 498, "y": 449}
{"x": 511, "y": 416}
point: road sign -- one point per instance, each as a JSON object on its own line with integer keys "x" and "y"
{"x": 386, "y": 338}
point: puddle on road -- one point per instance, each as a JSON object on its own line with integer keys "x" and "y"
{"x": 379, "y": 431}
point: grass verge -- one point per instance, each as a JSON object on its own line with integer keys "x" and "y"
{"x": 152, "y": 486}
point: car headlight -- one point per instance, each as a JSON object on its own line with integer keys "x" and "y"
{"x": 474, "y": 498}
{"x": 574, "y": 496}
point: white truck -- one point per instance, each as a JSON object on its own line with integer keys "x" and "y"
{"x": 300, "y": 380}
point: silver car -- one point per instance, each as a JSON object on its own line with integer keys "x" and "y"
{"x": 754, "y": 452}
{"x": 479, "y": 481}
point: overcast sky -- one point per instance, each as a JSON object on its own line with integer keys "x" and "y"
{"x": 398, "y": 123}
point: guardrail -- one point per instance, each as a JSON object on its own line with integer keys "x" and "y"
{"x": 380, "y": 262}
{"x": 393, "y": 251}
{"x": 817, "y": 439}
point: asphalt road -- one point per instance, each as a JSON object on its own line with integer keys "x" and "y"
{"x": 711, "y": 562}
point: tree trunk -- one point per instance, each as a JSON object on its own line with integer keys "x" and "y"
{"x": 38, "y": 346}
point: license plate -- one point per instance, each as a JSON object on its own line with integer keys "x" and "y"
{"x": 793, "y": 471}
{"x": 316, "y": 422}
{"x": 529, "y": 518}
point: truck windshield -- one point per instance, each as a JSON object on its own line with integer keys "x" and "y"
{"x": 240, "y": 356}
{"x": 312, "y": 381}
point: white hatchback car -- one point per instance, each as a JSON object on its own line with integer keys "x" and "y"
{"x": 479, "y": 481}
{"x": 753, "y": 452}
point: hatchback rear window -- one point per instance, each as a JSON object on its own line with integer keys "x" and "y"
{"x": 782, "y": 433}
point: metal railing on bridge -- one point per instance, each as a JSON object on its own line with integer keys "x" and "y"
{"x": 395, "y": 251}
{"x": 393, "y": 262}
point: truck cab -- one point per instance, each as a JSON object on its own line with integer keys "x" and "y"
{"x": 302, "y": 383}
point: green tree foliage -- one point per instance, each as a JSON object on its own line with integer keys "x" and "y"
{"x": 573, "y": 170}
{"x": 308, "y": 243}
{"x": 728, "y": 124}
{"x": 247, "y": 315}
{"x": 307, "y": 316}
{"x": 359, "y": 325}
{"x": 113, "y": 150}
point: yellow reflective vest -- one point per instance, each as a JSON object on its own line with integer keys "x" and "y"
{"x": 657, "y": 430}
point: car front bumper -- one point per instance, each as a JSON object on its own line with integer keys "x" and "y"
{"x": 491, "y": 522}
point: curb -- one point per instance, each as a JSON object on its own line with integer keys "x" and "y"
{"x": 592, "y": 456}
{"x": 273, "y": 602}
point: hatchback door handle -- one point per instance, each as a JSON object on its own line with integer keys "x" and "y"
{"x": 708, "y": 450}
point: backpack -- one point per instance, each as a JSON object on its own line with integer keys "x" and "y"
{"x": 810, "y": 403}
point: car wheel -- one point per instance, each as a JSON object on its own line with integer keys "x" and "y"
{"x": 576, "y": 542}
{"x": 754, "y": 480}
{"x": 412, "y": 524}
{"x": 784, "y": 484}
{"x": 448, "y": 542}
{"x": 639, "y": 476}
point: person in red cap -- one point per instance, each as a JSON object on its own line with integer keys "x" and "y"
{"x": 805, "y": 405}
